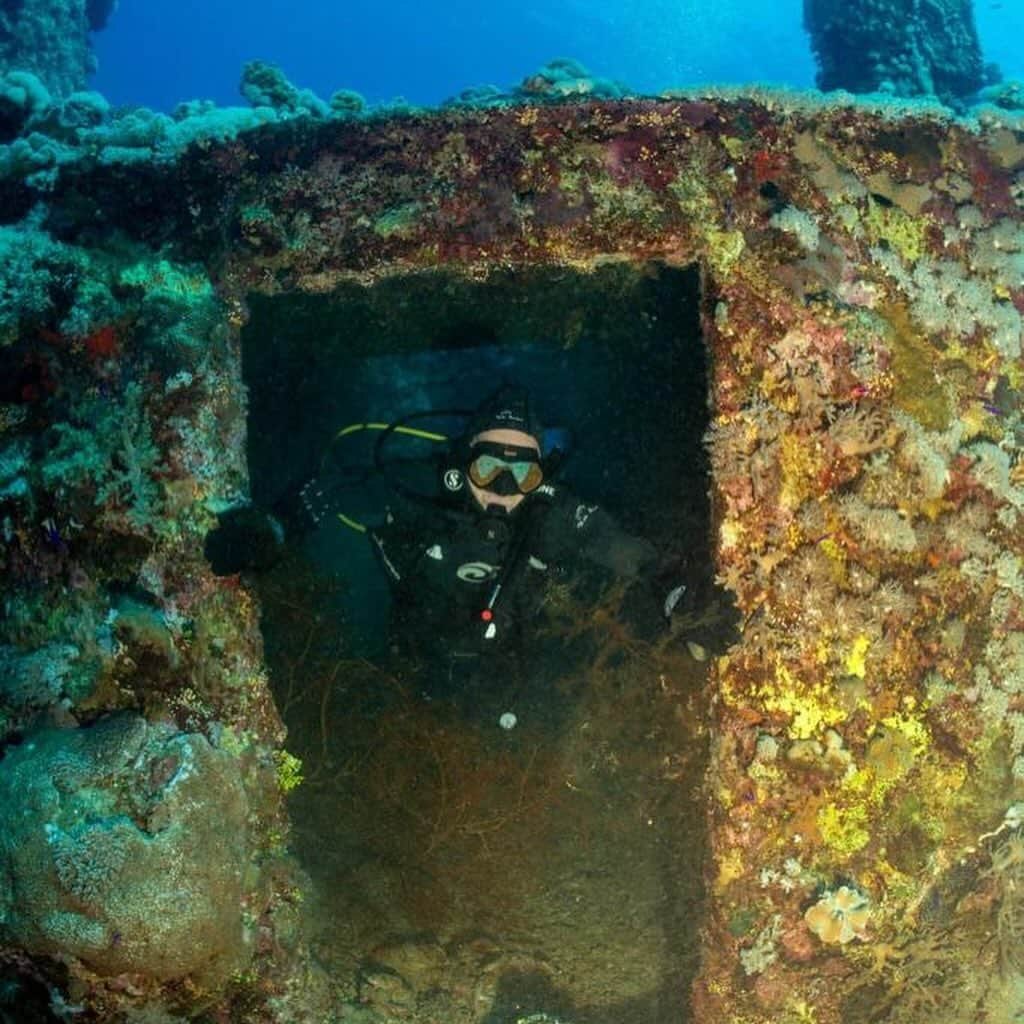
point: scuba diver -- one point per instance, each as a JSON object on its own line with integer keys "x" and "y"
{"x": 469, "y": 568}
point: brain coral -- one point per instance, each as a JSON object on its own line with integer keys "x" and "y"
{"x": 139, "y": 865}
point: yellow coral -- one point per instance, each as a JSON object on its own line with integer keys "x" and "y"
{"x": 905, "y": 234}
{"x": 836, "y": 554}
{"x": 912, "y": 729}
{"x": 729, "y": 869}
{"x": 730, "y": 533}
{"x": 733, "y": 146}
{"x": 724, "y": 249}
{"x": 801, "y": 466}
{"x": 917, "y": 390}
{"x": 800, "y": 1012}
{"x": 978, "y": 421}
{"x": 854, "y": 663}
{"x": 860, "y": 781}
{"x": 844, "y": 830}
{"x": 809, "y": 711}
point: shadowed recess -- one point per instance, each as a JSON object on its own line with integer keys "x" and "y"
{"x": 467, "y": 873}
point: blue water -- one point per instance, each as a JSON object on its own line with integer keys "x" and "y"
{"x": 158, "y": 52}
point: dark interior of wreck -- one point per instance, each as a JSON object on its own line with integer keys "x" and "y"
{"x": 422, "y": 823}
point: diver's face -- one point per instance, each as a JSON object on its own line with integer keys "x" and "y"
{"x": 514, "y": 439}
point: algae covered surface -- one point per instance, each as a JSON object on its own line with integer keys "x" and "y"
{"x": 862, "y": 287}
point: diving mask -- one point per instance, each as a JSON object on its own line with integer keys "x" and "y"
{"x": 504, "y": 470}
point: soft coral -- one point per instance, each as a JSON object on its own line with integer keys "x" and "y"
{"x": 102, "y": 343}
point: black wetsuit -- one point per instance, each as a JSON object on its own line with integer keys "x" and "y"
{"x": 469, "y": 583}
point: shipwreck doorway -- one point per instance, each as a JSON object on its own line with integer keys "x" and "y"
{"x": 464, "y": 871}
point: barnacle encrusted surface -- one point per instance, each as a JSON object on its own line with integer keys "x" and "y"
{"x": 862, "y": 296}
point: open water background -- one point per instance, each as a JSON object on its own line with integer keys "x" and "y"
{"x": 160, "y": 52}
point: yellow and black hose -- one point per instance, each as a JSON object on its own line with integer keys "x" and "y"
{"x": 386, "y": 429}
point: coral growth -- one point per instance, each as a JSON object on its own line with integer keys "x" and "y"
{"x": 903, "y": 48}
{"x": 862, "y": 301}
{"x": 839, "y": 916}
{"x": 50, "y": 38}
{"x": 125, "y": 847}
{"x": 264, "y": 85}
{"x": 1007, "y": 870}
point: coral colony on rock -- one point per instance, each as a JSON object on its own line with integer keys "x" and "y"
{"x": 862, "y": 292}
{"x": 901, "y": 47}
{"x": 50, "y": 38}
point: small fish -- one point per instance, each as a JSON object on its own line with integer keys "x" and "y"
{"x": 672, "y": 599}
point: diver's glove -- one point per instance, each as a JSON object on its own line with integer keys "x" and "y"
{"x": 245, "y": 538}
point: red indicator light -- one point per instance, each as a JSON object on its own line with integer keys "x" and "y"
{"x": 487, "y": 615}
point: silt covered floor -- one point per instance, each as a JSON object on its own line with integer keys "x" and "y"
{"x": 469, "y": 874}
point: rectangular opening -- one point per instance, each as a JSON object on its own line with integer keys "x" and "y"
{"x": 466, "y": 870}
